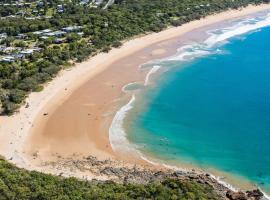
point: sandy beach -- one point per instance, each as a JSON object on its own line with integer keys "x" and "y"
{"x": 72, "y": 115}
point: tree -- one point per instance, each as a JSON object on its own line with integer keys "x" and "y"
{"x": 72, "y": 37}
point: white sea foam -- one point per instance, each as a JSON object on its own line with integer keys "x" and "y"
{"x": 147, "y": 160}
{"x": 152, "y": 71}
{"x": 266, "y": 197}
{"x": 117, "y": 135}
{"x": 220, "y": 181}
{"x": 218, "y": 37}
{"x": 188, "y": 52}
{"x": 238, "y": 29}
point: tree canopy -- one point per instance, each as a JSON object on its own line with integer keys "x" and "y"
{"x": 19, "y": 184}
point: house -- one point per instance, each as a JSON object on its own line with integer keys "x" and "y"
{"x": 37, "y": 48}
{"x": 55, "y": 34}
{"x": 18, "y": 56}
{"x": 37, "y": 33}
{"x": 32, "y": 18}
{"x": 11, "y": 16}
{"x": 20, "y": 13}
{"x": 20, "y": 5}
{"x": 70, "y": 29}
{"x": 28, "y": 52}
{"x": 59, "y": 40}
{"x": 42, "y": 32}
{"x": 98, "y": 2}
{"x": 3, "y": 36}
{"x": 84, "y": 2}
{"x": 10, "y": 49}
{"x": 60, "y": 8}
{"x": 21, "y": 36}
{"x": 2, "y": 48}
{"x": 27, "y": 4}
{"x": 7, "y": 59}
{"x": 35, "y": 11}
{"x": 44, "y": 37}
{"x": 40, "y": 4}
{"x": 46, "y": 31}
{"x": 80, "y": 33}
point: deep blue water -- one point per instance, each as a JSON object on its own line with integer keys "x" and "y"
{"x": 214, "y": 112}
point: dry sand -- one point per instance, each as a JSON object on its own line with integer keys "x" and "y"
{"x": 72, "y": 115}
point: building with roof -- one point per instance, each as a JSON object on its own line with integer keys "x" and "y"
{"x": 55, "y": 34}
{"x": 8, "y": 59}
{"x": 70, "y": 29}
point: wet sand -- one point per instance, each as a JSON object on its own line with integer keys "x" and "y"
{"x": 80, "y": 124}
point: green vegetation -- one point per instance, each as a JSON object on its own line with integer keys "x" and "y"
{"x": 19, "y": 184}
{"x": 99, "y": 30}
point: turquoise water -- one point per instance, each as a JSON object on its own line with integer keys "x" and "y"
{"x": 212, "y": 111}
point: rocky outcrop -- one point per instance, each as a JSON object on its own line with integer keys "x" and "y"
{"x": 249, "y": 195}
{"x": 236, "y": 195}
{"x": 255, "y": 194}
{"x": 122, "y": 173}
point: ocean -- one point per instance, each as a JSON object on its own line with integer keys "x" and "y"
{"x": 208, "y": 105}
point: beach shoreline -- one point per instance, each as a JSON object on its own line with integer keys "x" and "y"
{"x": 23, "y": 133}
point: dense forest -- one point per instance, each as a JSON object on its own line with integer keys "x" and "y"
{"x": 19, "y": 184}
{"x": 100, "y": 30}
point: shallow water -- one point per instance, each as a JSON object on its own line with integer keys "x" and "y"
{"x": 212, "y": 107}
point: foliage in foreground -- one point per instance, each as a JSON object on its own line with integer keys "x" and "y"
{"x": 20, "y": 184}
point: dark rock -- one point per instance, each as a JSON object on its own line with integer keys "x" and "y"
{"x": 106, "y": 171}
{"x": 178, "y": 173}
{"x": 256, "y": 194}
{"x": 191, "y": 177}
{"x": 111, "y": 171}
{"x": 236, "y": 195}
